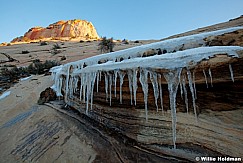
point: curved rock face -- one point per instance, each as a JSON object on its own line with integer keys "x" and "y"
{"x": 62, "y": 29}
{"x": 188, "y": 99}
{"x": 184, "y": 102}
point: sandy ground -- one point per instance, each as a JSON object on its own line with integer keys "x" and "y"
{"x": 73, "y": 51}
{"x": 31, "y": 132}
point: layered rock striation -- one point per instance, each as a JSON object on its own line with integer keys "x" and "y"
{"x": 180, "y": 97}
{"x": 70, "y": 29}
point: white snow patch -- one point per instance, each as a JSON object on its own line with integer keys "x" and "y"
{"x": 26, "y": 78}
{"x": 5, "y": 94}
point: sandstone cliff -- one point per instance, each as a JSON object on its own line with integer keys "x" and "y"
{"x": 205, "y": 95}
{"x": 70, "y": 29}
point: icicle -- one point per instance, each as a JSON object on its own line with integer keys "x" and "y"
{"x": 192, "y": 92}
{"x": 194, "y": 85}
{"x": 81, "y": 88}
{"x": 181, "y": 90}
{"x": 59, "y": 93}
{"x": 67, "y": 82}
{"x": 88, "y": 92}
{"x": 71, "y": 87}
{"x": 172, "y": 79}
{"x": 115, "y": 78}
{"x": 97, "y": 82}
{"x": 160, "y": 93}
{"x": 135, "y": 85}
{"x": 106, "y": 86}
{"x": 205, "y": 78}
{"x": 92, "y": 88}
{"x": 121, "y": 76}
{"x": 210, "y": 74}
{"x": 75, "y": 84}
{"x": 185, "y": 93}
{"x": 100, "y": 75}
{"x": 130, "y": 74}
{"x": 110, "y": 84}
{"x": 154, "y": 81}
{"x": 144, "y": 82}
{"x": 231, "y": 73}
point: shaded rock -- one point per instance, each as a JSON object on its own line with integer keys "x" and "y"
{"x": 47, "y": 95}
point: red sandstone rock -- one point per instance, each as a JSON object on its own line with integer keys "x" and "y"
{"x": 81, "y": 29}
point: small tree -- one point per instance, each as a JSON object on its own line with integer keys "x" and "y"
{"x": 106, "y": 45}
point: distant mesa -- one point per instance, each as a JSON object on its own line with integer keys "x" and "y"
{"x": 61, "y": 30}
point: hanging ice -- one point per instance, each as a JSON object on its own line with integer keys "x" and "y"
{"x": 185, "y": 93}
{"x": 88, "y": 89}
{"x": 144, "y": 82}
{"x": 181, "y": 90}
{"x": 130, "y": 78}
{"x": 192, "y": 92}
{"x": 231, "y": 73}
{"x": 121, "y": 76}
{"x": 210, "y": 74}
{"x": 92, "y": 88}
{"x": 205, "y": 78}
{"x": 160, "y": 93}
{"x": 134, "y": 85}
{"x": 172, "y": 79}
{"x": 110, "y": 85}
{"x": 154, "y": 81}
{"x": 97, "y": 81}
{"x": 115, "y": 78}
{"x": 81, "y": 88}
{"x": 67, "y": 83}
{"x": 194, "y": 85}
{"x": 106, "y": 86}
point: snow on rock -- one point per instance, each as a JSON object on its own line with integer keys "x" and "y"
{"x": 136, "y": 52}
{"x": 26, "y": 78}
{"x": 131, "y": 63}
{"x": 5, "y": 94}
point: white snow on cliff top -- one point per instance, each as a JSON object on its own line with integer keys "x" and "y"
{"x": 136, "y": 52}
{"x": 179, "y": 59}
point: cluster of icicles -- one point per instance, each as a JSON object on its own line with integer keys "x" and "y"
{"x": 141, "y": 68}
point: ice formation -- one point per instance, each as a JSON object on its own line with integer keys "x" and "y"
{"x": 211, "y": 78}
{"x": 231, "y": 73}
{"x": 5, "y": 94}
{"x": 205, "y": 76}
{"x": 161, "y": 93}
{"x": 154, "y": 81}
{"x": 26, "y": 78}
{"x": 185, "y": 93}
{"x": 173, "y": 79}
{"x": 144, "y": 82}
{"x": 131, "y": 63}
{"x": 192, "y": 92}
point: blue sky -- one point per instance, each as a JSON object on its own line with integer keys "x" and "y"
{"x": 129, "y": 19}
